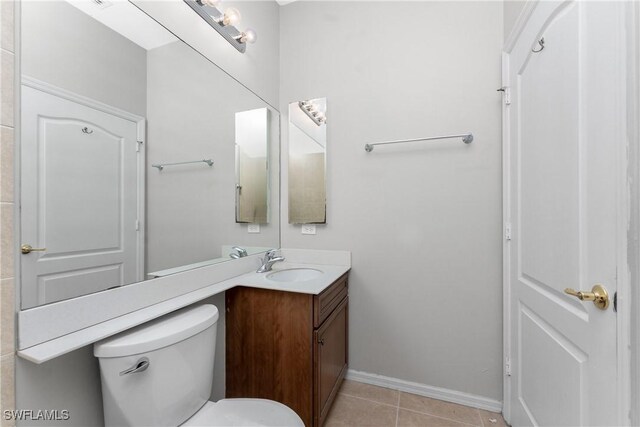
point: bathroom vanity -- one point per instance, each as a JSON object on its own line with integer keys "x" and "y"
{"x": 288, "y": 346}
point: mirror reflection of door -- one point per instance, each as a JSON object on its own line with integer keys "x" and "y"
{"x": 307, "y": 161}
{"x": 251, "y": 166}
{"x": 81, "y": 193}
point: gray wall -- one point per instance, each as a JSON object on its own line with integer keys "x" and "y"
{"x": 511, "y": 10}
{"x": 66, "y": 48}
{"x": 70, "y": 382}
{"x": 423, "y": 220}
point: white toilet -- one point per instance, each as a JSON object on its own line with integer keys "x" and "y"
{"x": 160, "y": 374}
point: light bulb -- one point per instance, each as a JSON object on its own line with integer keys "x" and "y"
{"x": 212, "y": 3}
{"x": 249, "y": 36}
{"x": 231, "y": 16}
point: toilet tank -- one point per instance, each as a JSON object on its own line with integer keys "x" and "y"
{"x": 177, "y": 380}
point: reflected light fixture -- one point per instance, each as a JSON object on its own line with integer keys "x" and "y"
{"x": 312, "y": 110}
{"x": 224, "y": 22}
{"x": 248, "y": 36}
{"x": 230, "y": 16}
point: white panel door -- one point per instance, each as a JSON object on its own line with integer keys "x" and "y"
{"x": 79, "y": 199}
{"x": 567, "y": 138}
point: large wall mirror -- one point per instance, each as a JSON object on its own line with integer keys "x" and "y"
{"x": 140, "y": 158}
{"x": 307, "y": 161}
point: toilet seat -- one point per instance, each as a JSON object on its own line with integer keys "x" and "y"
{"x": 244, "y": 412}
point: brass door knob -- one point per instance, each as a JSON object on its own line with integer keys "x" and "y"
{"x": 598, "y": 295}
{"x": 27, "y": 249}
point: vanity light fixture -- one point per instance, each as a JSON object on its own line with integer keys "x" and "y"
{"x": 311, "y": 110}
{"x": 224, "y": 22}
{"x": 248, "y": 36}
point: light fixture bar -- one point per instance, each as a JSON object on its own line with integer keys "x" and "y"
{"x": 213, "y": 17}
{"x": 310, "y": 110}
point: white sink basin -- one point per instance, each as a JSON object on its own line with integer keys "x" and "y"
{"x": 294, "y": 275}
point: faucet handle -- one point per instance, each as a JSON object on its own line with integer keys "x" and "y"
{"x": 267, "y": 256}
{"x": 270, "y": 254}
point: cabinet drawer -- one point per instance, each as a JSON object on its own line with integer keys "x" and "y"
{"x": 328, "y": 300}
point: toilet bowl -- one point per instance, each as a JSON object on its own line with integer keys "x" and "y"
{"x": 161, "y": 374}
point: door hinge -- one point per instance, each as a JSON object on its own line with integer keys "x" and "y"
{"x": 138, "y": 146}
{"x": 507, "y": 231}
{"x": 506, "y": 90}
{"x": 507, "y": 366}
{"x": 137, "y": 225}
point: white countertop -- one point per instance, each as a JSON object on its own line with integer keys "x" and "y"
{"x": 333, "y": 264}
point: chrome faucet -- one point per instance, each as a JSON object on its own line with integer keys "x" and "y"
{"x": 269, "y": 259}
{"x": 241, "y": 251}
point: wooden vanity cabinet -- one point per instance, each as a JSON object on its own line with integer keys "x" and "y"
{"x": 288, "y": 347}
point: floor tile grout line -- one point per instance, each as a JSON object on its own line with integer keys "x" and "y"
{"x": 443, "y": 418}
{"x": 398, "y": 409}
{"x": 368, "y": 400}
{"x": 480, "y": 415}
{"x": 397, "y": 415}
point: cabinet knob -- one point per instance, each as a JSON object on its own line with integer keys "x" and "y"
{"x": 321, "y": 341}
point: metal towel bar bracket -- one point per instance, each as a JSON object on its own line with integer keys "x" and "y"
{"x": 467, "y": 138}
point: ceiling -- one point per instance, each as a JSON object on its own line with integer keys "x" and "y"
{"x": 126, "y": 19}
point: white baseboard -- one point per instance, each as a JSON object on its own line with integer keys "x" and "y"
{"x": 447, "y": 395}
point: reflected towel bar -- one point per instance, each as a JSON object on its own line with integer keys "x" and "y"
{"x": 162, "y": 165}
{"x": 467, "y": 138}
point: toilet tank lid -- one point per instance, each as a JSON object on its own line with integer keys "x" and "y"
{"x": 158, "y": 333}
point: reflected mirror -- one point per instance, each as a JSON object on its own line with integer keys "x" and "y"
{"x": 140, "y": 158}
{"x": 252, "y": 173}
{"x": 307, "y": 161}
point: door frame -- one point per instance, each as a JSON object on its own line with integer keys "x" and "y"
{"x": 627, "y": 215}
{"x": 141, "y": 164}
{"x": 633, "y": 104}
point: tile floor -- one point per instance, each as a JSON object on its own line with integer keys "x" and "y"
{"x": 364, "y": 405}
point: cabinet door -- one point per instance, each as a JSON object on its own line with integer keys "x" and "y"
{"x": 269, "y": 345}
{"x": 330, "y": 358}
